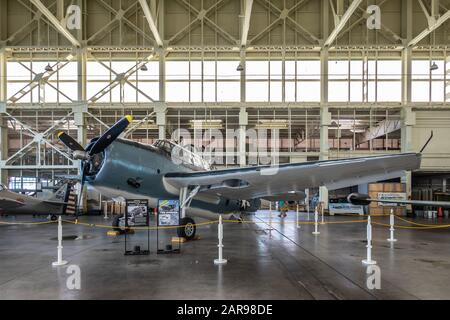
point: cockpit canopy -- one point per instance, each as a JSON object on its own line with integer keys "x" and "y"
{"x": 181, "y": 153}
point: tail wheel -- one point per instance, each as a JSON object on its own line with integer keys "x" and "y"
{"x": 187, "y": 228}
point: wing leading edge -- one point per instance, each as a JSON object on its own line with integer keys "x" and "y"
{"x": 261, "y": 181}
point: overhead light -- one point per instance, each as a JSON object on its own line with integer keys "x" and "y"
{"x": 240, "y": 68}
{"x": 434, "y": 66}
{"x": 143, "y": 68}
{"x": 272, "y": 124}
{"x": 206, "y": 124}
{"x": 48, "y": 68}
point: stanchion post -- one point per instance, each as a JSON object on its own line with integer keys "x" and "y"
{"x": 297, "y": 222}
{"x": 60, "y": 261}
{"x": 105, "y": 211}
{"x": 321, "y": 210}
{"x": 391, "y": 229}
{"x": 369, "y": 260}
{"x": 220, "y": 260}
{"x": 316, "y": 222}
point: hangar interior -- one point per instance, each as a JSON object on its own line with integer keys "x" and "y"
{"x": 313, "y": 69}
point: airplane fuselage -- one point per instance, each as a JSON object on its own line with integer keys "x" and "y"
{"x": 136, "y": 171}
{"x": 22, "y": 204}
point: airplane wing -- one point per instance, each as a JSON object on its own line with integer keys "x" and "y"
{"x": 6, "y": 203}
{"x": 261, "y": 181}
{"x": 364, "y": 199}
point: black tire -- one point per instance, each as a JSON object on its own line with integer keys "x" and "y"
{"x": 115, "y": 224}
{"x": 187, "y": 228}
{"x": 54, "y": 217}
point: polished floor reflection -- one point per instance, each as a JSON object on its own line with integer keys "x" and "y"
{"x": 279, "y": 261}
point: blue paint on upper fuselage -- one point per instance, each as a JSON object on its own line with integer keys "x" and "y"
{"x": 124, "y": 160}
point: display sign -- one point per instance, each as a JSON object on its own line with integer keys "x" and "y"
{"x": 137, "y": 212}
{"x": 168, "y": 212}
{"x": 390, "y": 196}
{"x": 336, "y": 208}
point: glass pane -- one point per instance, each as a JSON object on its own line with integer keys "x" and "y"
{"x": 257, "y": 91}
{"x": 420, "y": 91}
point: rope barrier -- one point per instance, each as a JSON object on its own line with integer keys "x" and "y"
{"x": 27, "y": 223}
{"x": 416, "y": 225}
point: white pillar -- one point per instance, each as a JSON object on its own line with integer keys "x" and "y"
{"x": 391, "y": 229}
{"x": 60, "y": 261}
{"x": 243, "y": 122}
{"x": 220, "y": 260}
{"x": 316, "y": 222}
{"x": 3, "y": 124}
{"x": 161, "y": 111}
{"x": 369, "y": 260}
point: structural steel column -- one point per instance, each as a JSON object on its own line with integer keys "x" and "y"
{"x": 325, "y": 119}
{"x": 243, "y": 114}
{"x": 161, "y": 111}
{"x": 3, "y": 125}
{"x": 407, "y": 115}
{"x": 243, "y": 122}
{"x": 81, "y": 74}
{"x": 408, "y": 121}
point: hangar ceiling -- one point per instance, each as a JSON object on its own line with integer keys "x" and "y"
{"x": 301, "y": 59}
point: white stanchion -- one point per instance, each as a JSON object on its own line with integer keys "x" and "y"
{"x": 60, "y": 261}
{"x": 105, "y": 211}
{"x": 298, "y": 226}
{"x": 321, "y": 212}
{"x": 316, "y": 222}
{"x": 220, "y": 260}
{"x": 369, "y": 260}
{"x": 391, "y": 229}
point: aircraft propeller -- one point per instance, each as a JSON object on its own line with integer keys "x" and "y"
{"x": 99, "y": 146}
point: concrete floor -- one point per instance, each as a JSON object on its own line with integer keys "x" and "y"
{"x": 286, "y": 263}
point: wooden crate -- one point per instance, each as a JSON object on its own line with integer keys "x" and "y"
{"x": 374, "y": 188}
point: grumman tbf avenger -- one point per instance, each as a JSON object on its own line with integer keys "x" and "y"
{"x": 119, "y": 167}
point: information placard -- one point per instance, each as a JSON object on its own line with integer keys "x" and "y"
{"x": 168, "y": 212}
{"x": 391, "y": 196}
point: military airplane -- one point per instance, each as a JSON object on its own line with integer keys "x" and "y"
{"x": 120, "y": 167}
{"x": 12, "y": 203}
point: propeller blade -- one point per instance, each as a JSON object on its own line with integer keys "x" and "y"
{"x": 110, "y": 135}
{"x": 69, "y": 142}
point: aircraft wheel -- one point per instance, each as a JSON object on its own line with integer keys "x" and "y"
{"x": 187, "y": 229}
{"x": 53, "y": 217}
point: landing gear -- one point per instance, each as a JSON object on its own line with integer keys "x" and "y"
{"x": 187, "y": 228}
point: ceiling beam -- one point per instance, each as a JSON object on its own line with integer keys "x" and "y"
{"x": 151, "y": 22}
{"x": 42, "y": 8}
{"x": 246, "y": 24}
{"x": 345, "y": 17}
{"x": 431, "y": 27}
